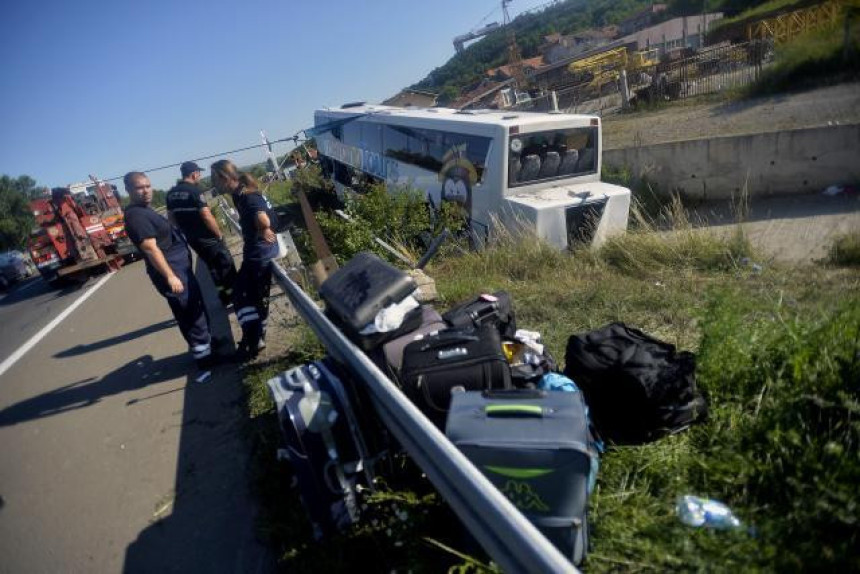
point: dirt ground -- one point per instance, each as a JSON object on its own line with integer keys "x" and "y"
{"x": 797, "y": 229}
{"x": 704, "y": 119}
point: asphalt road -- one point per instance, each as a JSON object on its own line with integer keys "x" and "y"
{"x": 26, "y": 308}
{"x": 112, "y": 458}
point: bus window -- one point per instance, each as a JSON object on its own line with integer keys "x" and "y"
{"x": 371, "y": 137}
{"x": 352, "y": 133}
{"x": 432, "y": 149}
{"x": 544, "y": 156}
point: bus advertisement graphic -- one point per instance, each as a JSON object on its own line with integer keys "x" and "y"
{"x": 458, "y": 176}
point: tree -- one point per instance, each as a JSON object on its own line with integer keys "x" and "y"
{"x": 16, "y": 217}
{"x": 159, "y": 198}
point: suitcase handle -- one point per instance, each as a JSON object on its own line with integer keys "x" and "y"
{"x": 446, "y": 338}
{"x": 519, "y": 411}
{"x": 513, "y": 394}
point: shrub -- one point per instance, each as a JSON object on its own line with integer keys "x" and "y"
{"x": 807, "y": 60}
{"x": 845, "y": 250}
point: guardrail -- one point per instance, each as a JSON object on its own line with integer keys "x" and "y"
{"x": 512, "y": 541}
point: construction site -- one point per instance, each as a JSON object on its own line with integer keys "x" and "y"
{"x": 647, "y": 58}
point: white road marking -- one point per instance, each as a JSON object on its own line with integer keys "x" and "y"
{"x": 34, "y": 340}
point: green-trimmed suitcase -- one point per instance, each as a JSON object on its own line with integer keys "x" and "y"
{"x": 535, "y": 446}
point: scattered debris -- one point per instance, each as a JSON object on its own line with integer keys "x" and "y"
{"x": 695, "y": 511}
{"x": 755, "y": 267}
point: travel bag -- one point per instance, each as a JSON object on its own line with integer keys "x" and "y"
{"x": 431, "y": 321}
{"x": 325, "y": 443}
{"x": 536, "y": 448}
{"x": 366, "y": 284}
{"x": 370, "y": 341}
{"x": 495, "y": 308}
{"x": 638, "y": 388}
{"x": 470, "y": 358}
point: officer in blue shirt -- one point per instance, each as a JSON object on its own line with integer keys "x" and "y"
{"x": 258, "y": 221}
{"x": 168, "y": 264}
{"x": 188, "y": 211}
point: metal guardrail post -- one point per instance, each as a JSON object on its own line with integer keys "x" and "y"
{"x": 512, "y": 541}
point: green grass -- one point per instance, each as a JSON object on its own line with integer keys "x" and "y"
{"x": 280, "y": 192}
{"x": 846, "y": 250}
{"x": 778, "y": 355}
{"x": 810, "y": 60}
{"x": 760, "y": 10}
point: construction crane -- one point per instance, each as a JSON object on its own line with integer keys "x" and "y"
{"x": 515, "y": 60}
{"x": 459, "y": 41}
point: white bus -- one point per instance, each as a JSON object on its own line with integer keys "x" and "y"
{"x": 519, "y": 168}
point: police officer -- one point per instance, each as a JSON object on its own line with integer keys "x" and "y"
{"x": 258, "y": 221}
{"x": 187, "y": 210}
{"x": 168, "y": 264}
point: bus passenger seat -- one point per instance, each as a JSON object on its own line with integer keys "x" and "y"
{"x": 531, "y": 168}
{"x": 549, "y": 167}
{"x": 586, "y": 160}
{"x": 568, "y": 162}
{"x": 514, "y": 167}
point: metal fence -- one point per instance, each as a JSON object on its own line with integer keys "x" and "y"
{"x": 512, "y": 541}
{"x": 707, "y": 71}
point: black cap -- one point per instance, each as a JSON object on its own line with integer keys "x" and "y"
{"x": 188, "y": 168}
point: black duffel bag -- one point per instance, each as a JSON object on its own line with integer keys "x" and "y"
{"x": 638, "y": 388}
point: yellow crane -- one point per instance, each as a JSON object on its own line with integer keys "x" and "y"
{"x": 605, "y": 67}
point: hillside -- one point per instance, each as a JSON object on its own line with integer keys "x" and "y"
{"x": 468, "y": 67}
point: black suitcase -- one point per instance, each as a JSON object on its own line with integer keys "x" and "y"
{"x": 535, "y": 446}
{"x": 356, "y": 292}
{"x": 325, "y": 444}
{"x": 469, "y": 357}
{"x": 495, "y": 308}
{"x": 431, "y": 322}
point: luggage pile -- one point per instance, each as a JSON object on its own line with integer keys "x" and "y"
{"x": 492, "y": 388}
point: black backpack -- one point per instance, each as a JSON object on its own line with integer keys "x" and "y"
{"x": 638, "y": 388}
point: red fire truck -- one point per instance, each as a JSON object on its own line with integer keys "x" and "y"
{"x": 80, "y": 231}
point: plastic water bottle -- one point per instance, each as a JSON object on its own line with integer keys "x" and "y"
{"x": 695, "y": 511}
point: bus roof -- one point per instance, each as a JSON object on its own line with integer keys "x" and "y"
{"x": 484, "y": 116}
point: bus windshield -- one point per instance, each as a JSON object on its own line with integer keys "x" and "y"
{"x": 549, "y": 155}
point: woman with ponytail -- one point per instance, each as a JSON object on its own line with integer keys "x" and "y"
{"x": 258, "y": 221}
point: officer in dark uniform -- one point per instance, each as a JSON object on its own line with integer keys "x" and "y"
{"x": 168, "y": 264}
{"x": 187, "y": 210}
{"x": 258, "y": 221}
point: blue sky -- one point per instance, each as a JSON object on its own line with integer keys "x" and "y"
{"x": 105, "y": 87}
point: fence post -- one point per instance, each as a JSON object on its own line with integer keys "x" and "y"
{"x": 625, "y": 91}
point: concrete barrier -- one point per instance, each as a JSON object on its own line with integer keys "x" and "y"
{"x": 774, "y": 163}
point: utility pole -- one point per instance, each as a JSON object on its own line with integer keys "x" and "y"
{"x": 270, "y": 155}
{"x": 514, "y": 58}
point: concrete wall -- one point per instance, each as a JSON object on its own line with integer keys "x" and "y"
{"x": 775, "y": 163}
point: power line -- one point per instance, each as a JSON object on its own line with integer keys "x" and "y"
{"x": 484, "y": 19}
{"x": 294, "y": 139}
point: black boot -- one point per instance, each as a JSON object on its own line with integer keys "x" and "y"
{"x": 246, "y": 352}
